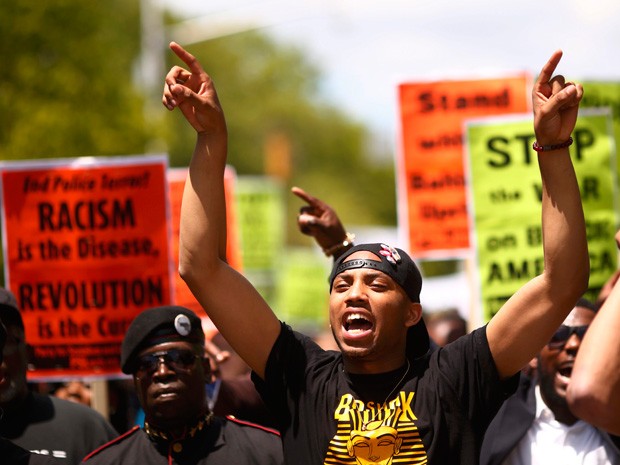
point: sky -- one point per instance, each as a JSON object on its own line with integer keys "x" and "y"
{"x": 365, "y": 48}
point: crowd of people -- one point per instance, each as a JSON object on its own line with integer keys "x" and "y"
{"x": 401, "y": 386}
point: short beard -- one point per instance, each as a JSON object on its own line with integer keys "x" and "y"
{"x": 556, "y": 402}
{"x": 352, "y": 353}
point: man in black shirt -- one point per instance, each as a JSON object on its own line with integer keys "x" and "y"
{"x": 383, "y": 398}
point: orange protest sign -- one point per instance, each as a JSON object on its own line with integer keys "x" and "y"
{"x": 176, "y": 183}
{"x": 431, "y": 182}
{"x": 86, "y": 249}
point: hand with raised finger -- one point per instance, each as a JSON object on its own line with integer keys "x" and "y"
{"x": 193, "y": 92}
{"x": 319, "y": 220}
{"x": 555, "y": 104}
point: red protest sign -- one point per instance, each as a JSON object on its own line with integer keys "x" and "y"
{"x": 86, "y": 249}
{"x": 176, "y": 183}
{"x": 431, "y": 182}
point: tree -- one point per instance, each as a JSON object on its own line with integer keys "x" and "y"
{"x": 267, "y": 88}
{"x": 67, "y": 90}
{"x": 66, "y": 82}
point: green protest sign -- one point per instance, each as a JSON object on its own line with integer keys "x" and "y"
{"x": 604, "y": 94}
{"x": 505, "y": 193}
{"x": 302, "y": 295}
{"x": 260, "y": 212}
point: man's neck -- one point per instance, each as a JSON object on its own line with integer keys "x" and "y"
{"x": 171, "y": 431}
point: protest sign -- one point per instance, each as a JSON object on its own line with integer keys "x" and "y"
{"x": 176, "y": 183}
{"x": 604, "y": 94}
{"x": 260, "y": 212}
{"x": 302, "y": 296}
{"x": 431, "y": 186}
{"x": 86, "y": 247}
{"x": 505, "y": 193}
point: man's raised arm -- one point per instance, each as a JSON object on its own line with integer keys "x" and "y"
{"x": 235, "y": 307}
{"x": 526, "y": 322}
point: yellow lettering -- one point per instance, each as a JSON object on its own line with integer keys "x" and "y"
{"x": 342, "y": 410}
{"x": 406, "y": 398}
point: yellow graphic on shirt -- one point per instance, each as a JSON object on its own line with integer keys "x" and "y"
{"x": 375, "y": 434}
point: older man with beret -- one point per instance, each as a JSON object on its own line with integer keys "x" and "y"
{"x": 164, "y": 351}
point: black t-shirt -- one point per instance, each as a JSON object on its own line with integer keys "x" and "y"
{"x": 57, "y": 428}
{"x": 11, "y": 454}
{"x": 438, "y": 414}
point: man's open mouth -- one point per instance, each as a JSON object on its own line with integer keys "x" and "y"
{"x": 356, "y": 323}
{"x": 566, "y": 371}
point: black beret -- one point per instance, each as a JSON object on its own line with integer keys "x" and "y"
{"x": 156, "y": 325}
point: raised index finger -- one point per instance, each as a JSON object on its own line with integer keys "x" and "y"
{"x": 188, "y": 58}
{"x": 547, "y": 70}
{"x": 302, "y": 194}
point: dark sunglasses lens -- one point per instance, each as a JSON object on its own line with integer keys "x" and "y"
{"x": 560, "y": 337}
{"x": 147, "y": 363}
{"x": 175, "y": 359}
{"x": 180, "y": 359}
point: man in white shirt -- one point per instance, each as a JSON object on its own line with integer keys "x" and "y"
{"x": 535, "y": 426}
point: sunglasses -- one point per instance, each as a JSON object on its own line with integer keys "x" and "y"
{"x": 563, "y": 333}
{"x": 176, "y": 359}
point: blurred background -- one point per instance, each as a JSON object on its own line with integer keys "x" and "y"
{"x": 309, "y": 87}
{"x": 310, "y": 93}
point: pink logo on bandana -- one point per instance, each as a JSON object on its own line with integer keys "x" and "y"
{"x": 390, "y": 254}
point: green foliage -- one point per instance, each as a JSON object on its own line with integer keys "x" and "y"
{"x": 66, "y": 80}
{"x": 67, "y": 89}
{"x": 268, "y": 88}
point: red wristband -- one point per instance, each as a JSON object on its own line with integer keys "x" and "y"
{"x": 547, "y": 148}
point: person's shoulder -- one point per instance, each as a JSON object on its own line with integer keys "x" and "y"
{"x": 111, "y": 447}
{"x": 77, "y": 410}
{"x": 249, "y": 437}
{"x": 12, "y": 454}
{"x": 73, "y": 407}
{"x": 469, "y": 353}
{"x": 249, "y": 427}
{"x": 474, "y": 341}
{"x": 65, "y": 409}
{"x": 292, "y": 343}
